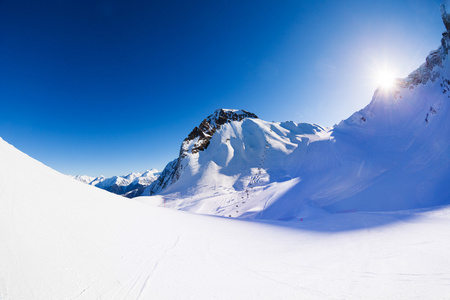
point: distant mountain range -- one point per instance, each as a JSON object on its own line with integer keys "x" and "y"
{"x": 131, "y": 185}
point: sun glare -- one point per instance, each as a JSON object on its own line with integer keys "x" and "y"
{"x": 385, "y": 79}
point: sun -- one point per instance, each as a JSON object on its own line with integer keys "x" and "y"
{"x": 385, "y": 78}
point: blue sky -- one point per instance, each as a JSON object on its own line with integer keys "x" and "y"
{"x": 110, "y": 87}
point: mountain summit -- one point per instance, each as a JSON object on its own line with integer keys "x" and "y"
{"x": 198, "y": 139}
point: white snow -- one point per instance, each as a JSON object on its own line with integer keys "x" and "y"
{"x": 62, "y": 239}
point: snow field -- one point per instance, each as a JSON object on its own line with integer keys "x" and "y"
{"x": 62, "y": 239}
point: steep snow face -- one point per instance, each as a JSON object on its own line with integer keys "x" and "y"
{"x": 131, "y": 185}
{"x": 404, "y": 135}
{"x": 393, "y": 154}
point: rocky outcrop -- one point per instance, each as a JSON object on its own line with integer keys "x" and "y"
{"x": 445, "y": 17}
{"x": 197, "y": 140}
{"x": 431, "y": 69}
{"x": 165, "y": 179}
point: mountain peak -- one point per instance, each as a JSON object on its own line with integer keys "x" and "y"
{"x": 445, "y": 17}
{"x": 433, "y": 67}
{"x": 223, "y": 115}
{"x": 198, "y": 139}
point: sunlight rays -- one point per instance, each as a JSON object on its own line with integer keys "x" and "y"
{"x": 385, "y": 78}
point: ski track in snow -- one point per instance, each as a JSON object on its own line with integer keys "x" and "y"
{"x": 155, "y": 266}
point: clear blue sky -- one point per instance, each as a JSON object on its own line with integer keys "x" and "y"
{"x": 110, "y": 87}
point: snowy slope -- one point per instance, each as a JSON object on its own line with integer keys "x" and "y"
{"x": 286, "y": 170}
{"x": 62, "y": 239}
{"x": 131, "y": 185}
{"x": 393, "y": 154}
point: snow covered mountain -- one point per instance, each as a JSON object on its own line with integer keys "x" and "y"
{"x": 131, "y": 185}
{"x": 393, "y": 154}
{"x": 198, "y": 140}
{"x": 62, "y": 239}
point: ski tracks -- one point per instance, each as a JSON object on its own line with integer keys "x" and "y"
{"x": 148, "y": 271}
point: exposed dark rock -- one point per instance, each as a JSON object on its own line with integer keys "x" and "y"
{"x": 197, "y": 140}
{"x": 166, "y": 178}
{"x": 134, "y": 190}
{"x": 208, "y": 127}
{"x": 116, "y": 189}
{"x": 445, "y": 17}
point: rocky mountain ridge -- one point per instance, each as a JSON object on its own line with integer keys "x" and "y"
{"x": 197, "y": 140}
